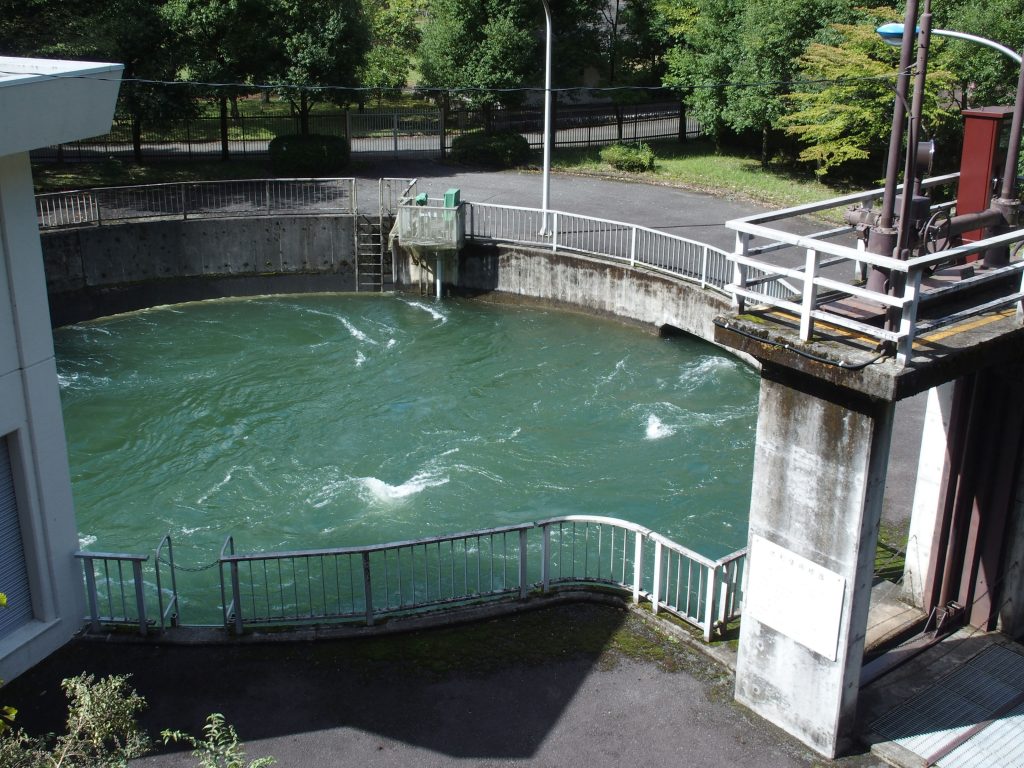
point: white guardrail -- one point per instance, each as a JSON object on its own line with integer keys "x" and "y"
{"x": 197, "y": 199}
{"x": 819, "y": 252}
{"x": 631, "y": 244}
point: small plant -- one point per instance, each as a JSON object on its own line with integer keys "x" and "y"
{"x": 308, "y": 155}
{"x": 101, "y": 729}
{"x": 219, "y": 748}
{"x": 494, "y": 150}
{"x": 6, "y": 713}
{"x": 635, "y": 158}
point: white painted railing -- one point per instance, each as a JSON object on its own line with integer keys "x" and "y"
{"x": 819, "y": 252}
{"x": 196, "y": 199}
{"x": 367, "y": 584}
{"x": 631, "y": 244}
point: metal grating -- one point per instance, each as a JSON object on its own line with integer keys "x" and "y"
{"x": 972, "y": 717}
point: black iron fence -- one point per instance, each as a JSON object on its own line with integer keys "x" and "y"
{"x": 423, "y": 132}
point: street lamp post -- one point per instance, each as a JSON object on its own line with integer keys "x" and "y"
{"x": 1006, "y": 208}
{"x": 546, "y": 184}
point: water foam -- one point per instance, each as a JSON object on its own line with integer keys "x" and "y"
{"x": 360, "y": 359}
{"x": 657, "y": 429}
{"x": 356, "y": 333}
{"x": 378, "y": 490}
{"x": 429, "y": 309}
{"x": 85, "y": 540}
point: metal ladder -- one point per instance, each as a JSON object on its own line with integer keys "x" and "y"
{"x": 373, "y": 268}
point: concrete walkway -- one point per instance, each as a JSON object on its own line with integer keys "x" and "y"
{"x": 580, "y": 685}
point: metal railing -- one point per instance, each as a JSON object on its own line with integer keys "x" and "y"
{"x": 197, "y": 199}
{"x": 366, "y": 584}
{"x": 422, "y": 131}
{"x": 631, "y": 244}
{"x": 817, "y": 291}
{"x": 118, "y": 594}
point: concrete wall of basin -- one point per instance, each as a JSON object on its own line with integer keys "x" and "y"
{"x": 95, "y": 271}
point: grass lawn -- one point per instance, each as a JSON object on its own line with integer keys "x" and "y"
{"x": 694, "y": 165}
{"x": 54, "y": 177}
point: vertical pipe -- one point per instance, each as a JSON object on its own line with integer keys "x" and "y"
{"x": 546, "y": 191}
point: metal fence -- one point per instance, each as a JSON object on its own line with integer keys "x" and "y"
{"x": 417, "y": 132}
{"x": 368, "y": 584}
{"x": 631, "y": 244}
{"x": 371, "y": 583}
{"x": 118, "y": 594}
{"x": 207, "y": 199}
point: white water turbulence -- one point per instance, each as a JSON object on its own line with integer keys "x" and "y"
{"x": 317, "y": 421}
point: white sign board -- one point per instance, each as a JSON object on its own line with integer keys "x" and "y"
{"x": 795, "y": 596}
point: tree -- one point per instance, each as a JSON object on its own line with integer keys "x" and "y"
{"x": 844, "y": 113}
{"x": 987, "y": 77}
{"x": 486, "y": 45}
{"x": 702, "y": 65}
{"x": 771, "y": 38}
{"x": 320, "y": 44}
{"x": 395, "y": 35}
{"x": 218, "y": 45}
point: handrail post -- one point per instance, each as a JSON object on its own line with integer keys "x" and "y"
{"x": 367, "y": 589}
{"x": 638, "y": 553}
{"x": 632, "y": 248}
{"x": 236, "y": 597}
{"x": 656, "y": 587}
{"x": 140, "y": 597}
{"x": 266, "y": 192}
{"x": 545, "y": 563}
{"x": 739, "y": 271}
{"x": 810, "y": 295}
{"x": 710, "y": 600}
{"x": 908, "y": 317}
{"x": 554, "y": 232}
{"x": 90, "y": 584}
{"x": 704, "y": 266}
{"x": 523, "y": 589}
{"x": 184, "y": 202}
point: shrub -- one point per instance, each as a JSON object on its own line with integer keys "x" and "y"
{"x": 308, "y": 155}
{"x": 496, "y": 150}
{"x": 636, "y": 158}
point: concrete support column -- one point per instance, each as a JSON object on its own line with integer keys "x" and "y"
{"x": 819, "y": 471}
{"x": 930, "y": 492}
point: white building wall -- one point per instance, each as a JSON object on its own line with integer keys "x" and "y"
{"x": 41, "y": 102}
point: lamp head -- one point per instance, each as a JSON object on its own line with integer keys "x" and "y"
{"x": 892, "y": 33}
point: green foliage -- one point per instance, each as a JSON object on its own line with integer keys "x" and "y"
{"x": 101, "y": 729}
{"x": 485, "y": 44}
{"x": 635, "y": 158}
{"x": 308, "y": 155}
{"x": 988, "y": 77}
{"x": 395, "y": 36}
{"x": 318, "y": 43}
{"x": 701, "y": 66}
{"x": 847, "y": 115}
{"x": 219, "y": 747}
{"x": 6, "y": 713}
{"x": 495, "y": 150}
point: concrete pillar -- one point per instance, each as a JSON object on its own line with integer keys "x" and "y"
{"x": 929, "y": 493}
{"x": 819, "y": 475}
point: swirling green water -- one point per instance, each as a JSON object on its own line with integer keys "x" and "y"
{"x": 334, "y": 420}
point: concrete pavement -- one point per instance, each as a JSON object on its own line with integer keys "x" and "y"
{"x": 579, "y": 685}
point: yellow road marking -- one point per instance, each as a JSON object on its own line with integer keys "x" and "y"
{"x": 963, "y": 327}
